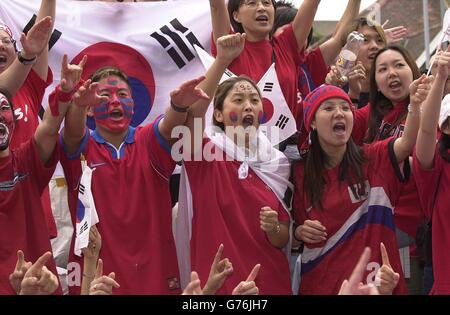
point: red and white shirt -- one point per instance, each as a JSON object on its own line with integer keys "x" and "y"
{"x": 351, "y": 223}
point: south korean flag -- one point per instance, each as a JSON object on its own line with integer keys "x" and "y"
{"x": 86, "y": 211}
{"x": 278, "y": 123}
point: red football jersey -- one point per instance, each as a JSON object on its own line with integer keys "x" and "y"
{"x": 130, "y": 187}
{"x": 351, "y": 223}
{"x": 23, "y": 177}
{"x": 226, "y": 211}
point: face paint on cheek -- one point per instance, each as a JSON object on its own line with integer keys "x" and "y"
{"x": 128, "y": 106}
{"x": 101, "y": 111}
{"x": 6, "y": 128}
{"x": 233, "y": 117}
{"x": 261, "y": 117}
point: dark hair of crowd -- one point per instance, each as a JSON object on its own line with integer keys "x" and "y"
{"x": 285, "y": 14}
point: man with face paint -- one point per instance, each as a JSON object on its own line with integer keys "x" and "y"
{"x": 130, "y": 183}
{"x": 24, "y": 173}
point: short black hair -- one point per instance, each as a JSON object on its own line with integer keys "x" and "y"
{"x": 285, "y": 14}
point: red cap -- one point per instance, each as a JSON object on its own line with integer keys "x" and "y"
{"x": 314, "y": 99}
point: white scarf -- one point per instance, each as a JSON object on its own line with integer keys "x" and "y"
{"x": 269, "y": 164}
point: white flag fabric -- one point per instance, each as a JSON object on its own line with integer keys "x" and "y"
{"x": 151, "y": 41}
{"x": 445, "y": 37}
{"x": 86, "y": 211}
{"x": 278, "y": 123}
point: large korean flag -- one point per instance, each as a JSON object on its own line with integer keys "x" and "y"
{"x": 151, "y": 41}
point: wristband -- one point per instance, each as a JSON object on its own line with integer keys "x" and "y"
{"x": 25, "y": 61}
{"x": 295, "y": 237}
{"x": 177, "y": 108}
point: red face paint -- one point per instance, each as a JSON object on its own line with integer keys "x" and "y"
{"x": 233, "y": 117}
{"x": 6, "y": 122}
{"x": 261, "y": 117}
{"x": 115, "y": 114}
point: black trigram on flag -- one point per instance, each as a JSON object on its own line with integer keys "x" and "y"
{"x": 282, "y": 122}
{"x": 82, "y": 189}
{"x": 164, "y": 41}
{"x": 228, "y": 73}
{"x": 83, "y": 228}
{"x": 54, "y": 37}
{"x": 268, "y": 87}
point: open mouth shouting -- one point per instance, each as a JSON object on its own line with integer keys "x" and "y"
{"x": 3, "y": 60}
{"x": 4, "y": 135}
{"x": 395, "y": 85}
{"x": 262, "y": 19}
{"x": 339, "y": 128}
{"x": 248, "y": 121}
{"x": 116, "y": 114}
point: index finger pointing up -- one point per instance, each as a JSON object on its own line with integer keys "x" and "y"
{"x": 254, "y": 273}
{"x": 384, "y": 255}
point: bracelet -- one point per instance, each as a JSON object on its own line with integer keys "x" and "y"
{"x": 295, "y": 237}
{"x": 410, "y": 110}
{"x": 178, "y": 109}
{"x": 25, "y": 61}
{"x": 89, "y": 277}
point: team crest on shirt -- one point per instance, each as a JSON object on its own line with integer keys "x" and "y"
{"x": 362, "y": 195}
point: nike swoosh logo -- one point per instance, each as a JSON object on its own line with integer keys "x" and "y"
{"x": 96, "y": 164}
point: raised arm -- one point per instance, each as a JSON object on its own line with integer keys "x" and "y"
{"x": 418, "y": 91}
{"x": 228, "y": 48}
{"x": 331, "y": 48}
{"x": 46, "y": 134}
{"x": 180, "y": 100}
{"x": 303, "y": 21}
{"x": 220, "y": 19}
{"x": 48, "y": 8}
{"x": 426, "y": 139}
{"x": 33, "y": 44}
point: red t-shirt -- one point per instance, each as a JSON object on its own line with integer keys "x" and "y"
{"x": 27, "y": 103}
{"x": 351, "y": 223}
{"x": 131, "y": 193}
{"x": 434, "y": 192}
{"x": 408, "y": 211}
{"x": 22, "y": 222}
{"x": 256, "y": 58}
{"x": 226, "y": 211}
